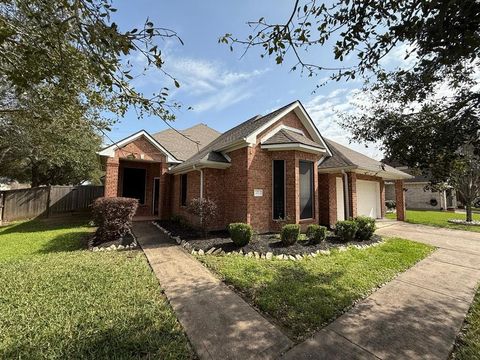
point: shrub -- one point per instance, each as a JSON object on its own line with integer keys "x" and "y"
{"x": 289, "y": 234}
{"x": 346, "y": 230}
{"x": 390, "y": 205}
{"x": 316, "y": 233}
{"x": 366, "y": 227}
{"x": 240, "y": 233}
{"x": 178, "y": 219}
{"x": 206, "y": 210}
{"x": 113, "y": 217}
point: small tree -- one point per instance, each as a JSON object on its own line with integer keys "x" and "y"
{"x": 465, "y": 178}
{"x": 206, "y": 210}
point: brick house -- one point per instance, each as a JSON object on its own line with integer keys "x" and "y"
{"x": 270, "y": 167}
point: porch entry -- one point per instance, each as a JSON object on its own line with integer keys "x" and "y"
{"x": 134, "y": 184}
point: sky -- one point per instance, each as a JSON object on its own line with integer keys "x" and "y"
{"x": 225, "y": 88}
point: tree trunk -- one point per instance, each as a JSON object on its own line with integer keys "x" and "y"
{"x": 468, "y": 208}
{"x": 35, "y": 181}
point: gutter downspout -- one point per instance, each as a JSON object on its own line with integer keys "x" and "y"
{"x": 346, "y": 195}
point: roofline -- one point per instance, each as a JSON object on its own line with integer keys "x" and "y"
{"x": 293, "y": 146}
{"x": 109, "y": 151}
{"x": 384, "y": 174}
{"x": 252, "y": 137}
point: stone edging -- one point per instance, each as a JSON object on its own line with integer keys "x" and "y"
{"x": 113, "y": 247}
{"x": 255, "y": 254}
{"x": 464, "y": 222}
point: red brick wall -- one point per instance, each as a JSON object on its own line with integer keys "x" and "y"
{"x": 352, "y": 194}
{"x": 327, "y": 198}
{"x": 400, "y": 200}
{"x": 193, "y": 191}
{"x": 235, "y": 191}
{"x": 291, "y": 119}
{"x": 139, "y": 147}
{"x": 111, "y": 177}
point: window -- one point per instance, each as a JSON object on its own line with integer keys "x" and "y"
{"x": 134, "y": 184}
{"x": 278, "y": 189}
{"x": 183, "y": 189}
{"x": 306, "y": 189}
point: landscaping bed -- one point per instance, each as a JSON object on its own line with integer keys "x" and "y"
{"x": 260, "y": 243}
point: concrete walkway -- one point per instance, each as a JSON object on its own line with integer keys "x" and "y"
{"x": 219, "y": 324}
{"x": 416, "y": 316}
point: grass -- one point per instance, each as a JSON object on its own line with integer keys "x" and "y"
{"x": 438, "y": 219}
{"x": 303, "y": 296}
{"x": 468, "y": 343}
{"x": 59, "y": 300}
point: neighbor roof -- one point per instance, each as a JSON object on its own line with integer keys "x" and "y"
{"x": 185, "y": 143}
{"x": 285, "y": 136}
{"x": 346, "y": 158}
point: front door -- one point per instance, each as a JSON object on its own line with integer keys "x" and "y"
{"x": 156, "y": 195}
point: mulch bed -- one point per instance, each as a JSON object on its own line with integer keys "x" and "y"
{"x": 126, "y": 240}
{"x": 261, "y": 243}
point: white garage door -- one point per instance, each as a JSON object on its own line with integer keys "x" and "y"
{"x": 368, "y": 198}
{"x": 340, "y": 199}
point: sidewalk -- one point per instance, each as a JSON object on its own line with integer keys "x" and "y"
{"x": 416, "y": 316}
{"x": 219, "y": 324}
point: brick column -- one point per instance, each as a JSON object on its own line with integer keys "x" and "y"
{"x": 352, "y": 194}
{"x": 400, "y": 200}
{"x": 111, "y": 177}
{"x": 382, "y": 198}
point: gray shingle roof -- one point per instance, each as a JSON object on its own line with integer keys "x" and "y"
{"x": 239, "y": 132}
{"x": 344, "y": 157}
{"x": 180, "y": 146}
{"x": 286, "y": 136}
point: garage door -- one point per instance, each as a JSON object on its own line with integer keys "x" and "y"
{"x": 368, "y": 198}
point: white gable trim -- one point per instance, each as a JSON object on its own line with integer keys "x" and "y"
{"x": 293, "y": 146}
{"x": 304, "y": 118}
{"x": 277, "y": 129}
{"x": 110, "y": 150}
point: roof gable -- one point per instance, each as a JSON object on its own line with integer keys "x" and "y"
{"x": 110, "y": 150}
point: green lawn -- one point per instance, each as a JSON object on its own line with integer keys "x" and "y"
{"x": 468, "y": 343}
{"x": 302, "y": 296}
{"x": 60, "y": 301}
{"x": 437, "y": 218}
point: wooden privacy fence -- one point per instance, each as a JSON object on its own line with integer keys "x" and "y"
{"x": 45, "y": 201}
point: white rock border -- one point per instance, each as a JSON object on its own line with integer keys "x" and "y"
{"x": 255, "y": 254}
{"x": 120, "y": 247}
{"x": 464, "y": 222}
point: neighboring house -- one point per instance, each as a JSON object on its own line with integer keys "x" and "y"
{"x": 419, "y": 197}
{"x": 268, "y": 168}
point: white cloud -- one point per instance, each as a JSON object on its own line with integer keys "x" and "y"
{"x": 210, "y": 82}
{"x": 325, "y": 110}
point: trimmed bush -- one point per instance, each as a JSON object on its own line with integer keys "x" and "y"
{"x": 346, "y": 230}
{"x": 206, "y": 210}
{"x": 113, "y": 217}
{"x": 240, "y": 233}
{"x": 366, "y": 227}
{"x": 316, "y": 233}
{"x": 391, "y": 205}
{"x": 289, "y": 234}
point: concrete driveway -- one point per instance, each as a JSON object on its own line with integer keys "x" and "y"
{"x": 417, "y": 315}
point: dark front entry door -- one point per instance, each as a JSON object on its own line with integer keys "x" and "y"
{"x": 134, "y": 184}
{"x": 156, "y": 195}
